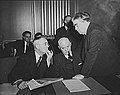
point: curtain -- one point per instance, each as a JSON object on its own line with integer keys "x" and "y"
{"x": 48, "y": 15}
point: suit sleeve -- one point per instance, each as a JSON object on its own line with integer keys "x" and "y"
{"x": 55, "y": 68}
{"x": 56, "y": 37}
{"x": 18, "y": 71}
{"x": 95, "y": 42}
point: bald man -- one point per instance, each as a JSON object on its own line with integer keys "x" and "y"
{"x": 33, "y": 65}
{"x": 68, "y": 63}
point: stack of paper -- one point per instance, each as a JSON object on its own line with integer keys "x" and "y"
{"x": 75, "y": 85}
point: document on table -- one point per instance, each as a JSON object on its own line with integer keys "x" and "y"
{"x": 33, "y": 84}
{"x": 118, "y": 76}
{"x": 75, "y": 85}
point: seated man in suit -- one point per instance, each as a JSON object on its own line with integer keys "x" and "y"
{"x": 67, "y": 64}
{"x": 21, "y": 46}
{"x": 32, "y": 65}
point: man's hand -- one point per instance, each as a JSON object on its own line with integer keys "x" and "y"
{"x": 23, "y": 85}
{"x": 49, "y": 54}
{"x": 49, "y": 57}
{"x": 79, "y": 76}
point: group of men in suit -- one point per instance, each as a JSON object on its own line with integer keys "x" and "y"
{"x": 67, "y": 30}
{"x": 93, "y": 56}
{"x": 18, "y": 47}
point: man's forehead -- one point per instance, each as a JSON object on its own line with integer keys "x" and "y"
{"x": 68, "y": 18}
{"x": 27, "y": 34}
{"x": 40, "y": 41}
{"x": 63, "y": 42}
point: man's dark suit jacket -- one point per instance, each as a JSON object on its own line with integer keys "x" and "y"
{"x": 1, "y": 51}
{"x": 19, "y": 46}
{"x": 74, "y": 37}
{"x": 61, "y": 65}
{"x": 26, "y": 68}
{"x": 99, "y": 54}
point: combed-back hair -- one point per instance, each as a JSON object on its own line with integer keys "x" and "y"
{"x": 37, "y": 35}
{"x": 23, "y": 34}
{"x": 83, "y": 15}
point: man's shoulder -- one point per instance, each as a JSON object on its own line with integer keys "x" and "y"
{"x": 95, "y": 26}
{"x": 28, "y": 55}
{"x": 60, "y": 28}
{"x": 18, "y": 42}
{"x": 95, "y": 29}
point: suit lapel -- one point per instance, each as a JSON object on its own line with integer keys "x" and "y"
{"x": 23, "y": 45}
{"x": 76, "y": 62}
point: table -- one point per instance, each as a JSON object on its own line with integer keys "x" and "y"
{"x": 57, "y": 88}
{"x": 112, "y": 83}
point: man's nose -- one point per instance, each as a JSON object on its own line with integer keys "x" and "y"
{"x": 66, "y": 49}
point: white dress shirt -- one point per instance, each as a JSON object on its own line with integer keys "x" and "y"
{"x": 25, "y": 47}
{"x": 37, "y": 56}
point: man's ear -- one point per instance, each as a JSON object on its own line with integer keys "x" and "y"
{"x": 59, "y": 47}
{"x": 23, "y": 37}
{"x": 65, "y": 21}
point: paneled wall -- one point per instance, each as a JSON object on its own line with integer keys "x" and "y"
{"x": 47, "y": 15}
{"x": 43, "y": 16}
{"x": 15, "y": 17}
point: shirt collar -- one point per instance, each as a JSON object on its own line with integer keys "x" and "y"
{"x": 66, "y": 27}
{"x": 37, "y": 56}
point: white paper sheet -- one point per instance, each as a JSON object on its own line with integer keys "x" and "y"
{"x": 33, "y": 84}
{"x": 75, "y": 85}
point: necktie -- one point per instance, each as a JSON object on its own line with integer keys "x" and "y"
{"x": 27, "y": 47}
{"x": 70, "y": 57}
{"x": 38, "y": 63}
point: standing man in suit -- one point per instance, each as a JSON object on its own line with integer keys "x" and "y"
{"x": 99, "y": 54}
{"x": 68, "y": 30}
{"x": 68, "y": 63}
{"x": 32, "y": 65}
{"x": 20, "y": 47}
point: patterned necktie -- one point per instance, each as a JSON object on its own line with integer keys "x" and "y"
{"x": 38, "y": 63}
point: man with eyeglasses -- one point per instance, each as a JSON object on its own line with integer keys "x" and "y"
{"x": 20, "y": 47}
{"x": 32, "y": 65}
